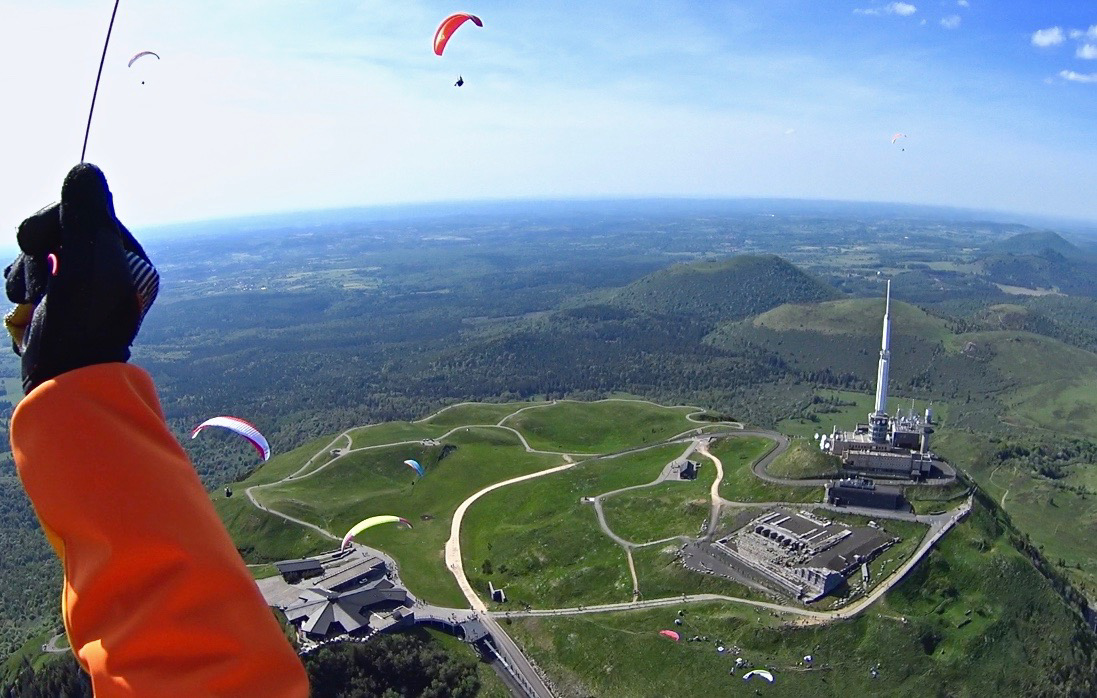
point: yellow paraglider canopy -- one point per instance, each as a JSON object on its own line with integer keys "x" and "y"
{"x": 370, "y": 523}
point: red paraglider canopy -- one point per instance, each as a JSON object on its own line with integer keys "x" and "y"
{"x": 670, "y": 633}
{"x": 448, "y": 26}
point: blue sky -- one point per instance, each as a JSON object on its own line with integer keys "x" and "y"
{"x": 271, "y": 105}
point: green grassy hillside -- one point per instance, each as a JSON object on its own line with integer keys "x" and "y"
{"x": 738, "y": 454}
{"x": 599, "y": 427}
{"x": 682, "y": 507}
{"x": 541, "y": 542}
{"x": 1044, "y": 383}
{"x": 803, "y": 459}
{"x": 1048, "y": 486}
{"x": 723, "y": 290}
{"x": 975, "y": 620}
{"x": 856, "y": 316}
{"x": 368, "y": 483}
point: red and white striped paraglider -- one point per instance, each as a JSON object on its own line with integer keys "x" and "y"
{"x": 239, "y": 426}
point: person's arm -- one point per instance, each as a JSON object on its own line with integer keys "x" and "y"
{"x": 156, "y": 600}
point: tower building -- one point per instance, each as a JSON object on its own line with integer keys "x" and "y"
{"x": 888, "y": 446}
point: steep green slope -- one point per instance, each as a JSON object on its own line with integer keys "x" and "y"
{"x": 1044, "y": 383}
{"x": 723, "y": 290}
{"x": 1071, "y": 319}
{"x": 802, "y": 460}
{"x": 861, "y": 316}
{"x": 1047, "y": 484}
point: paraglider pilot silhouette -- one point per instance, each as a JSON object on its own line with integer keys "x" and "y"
{"x": 156, "y": 601}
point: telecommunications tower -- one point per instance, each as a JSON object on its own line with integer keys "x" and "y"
{"x": 879, "y": 419}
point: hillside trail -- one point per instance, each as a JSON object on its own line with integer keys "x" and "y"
{"x": 714, "y": 491}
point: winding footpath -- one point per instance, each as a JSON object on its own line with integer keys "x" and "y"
{"x": 714, "y": 491}
{"x": 453, "y": 545}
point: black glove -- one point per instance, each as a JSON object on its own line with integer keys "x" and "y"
{"x": 82, "y": 283}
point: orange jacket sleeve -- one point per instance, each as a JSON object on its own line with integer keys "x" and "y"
{"x": 156, "y": 600}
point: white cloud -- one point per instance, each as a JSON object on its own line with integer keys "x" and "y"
{"x": 1077, "y": 77}
{"x": 1052, "y": 36}
{"x": 963, "y": 3}
{"x": 951, "y": 22}
{"x": 789, "y": 131}
{"x": 1087, "y": 51}
{"x": 902, "y": 9}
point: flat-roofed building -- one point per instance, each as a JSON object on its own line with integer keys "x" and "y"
{"x": 798, "y": 552}
{"x": 351, "y": 572}
{"x": 865, "y": 494}
{"x": 295, "y": 570}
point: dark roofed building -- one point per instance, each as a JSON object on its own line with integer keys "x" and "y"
{"x": 320, "y": 613}
{"x": 689, "y": 470}
{"x": 865, "y": 494}
{"x": 296, "y": 570}
{"x": 861, "y": 545}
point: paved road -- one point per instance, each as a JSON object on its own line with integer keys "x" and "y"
{"x": 532, "y": 680}
{"x": 52, "y": 647}
{"x": 659, "y": 603}
{"x": 761, "y": 467}
{"x": 941, "y": 525}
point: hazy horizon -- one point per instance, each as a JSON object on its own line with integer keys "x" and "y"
{"x": 745, "y": 205}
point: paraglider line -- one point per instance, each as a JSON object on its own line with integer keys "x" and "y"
{"x": 98, "y": 75}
